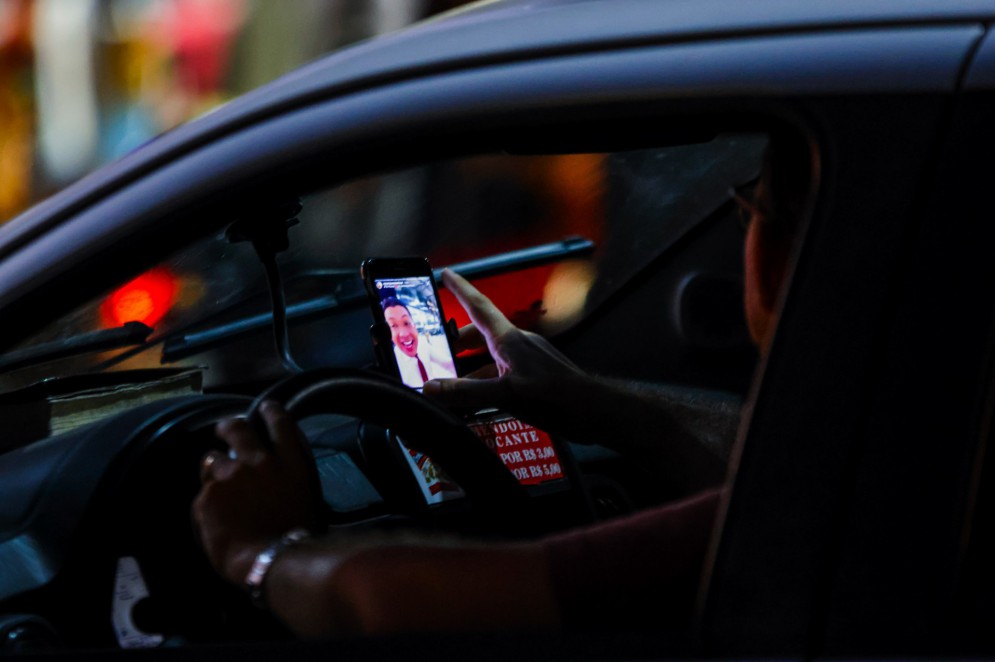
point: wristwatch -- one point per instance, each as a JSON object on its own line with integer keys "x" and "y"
{"x": 264, "y": 561}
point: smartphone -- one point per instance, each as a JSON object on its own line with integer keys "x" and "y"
{"x": 410, "y": 333}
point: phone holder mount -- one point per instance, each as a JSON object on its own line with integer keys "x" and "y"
{"x": 452, "y": 332}
{"x": 267, "y": 229}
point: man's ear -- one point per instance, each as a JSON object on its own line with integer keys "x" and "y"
{"x": 776, "y": 250}
{"x": 766, "y": 266}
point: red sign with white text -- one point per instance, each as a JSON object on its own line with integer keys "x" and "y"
{"x": 527, "y": 451}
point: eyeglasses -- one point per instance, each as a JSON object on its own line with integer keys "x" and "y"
{"x": 745, "y": 196}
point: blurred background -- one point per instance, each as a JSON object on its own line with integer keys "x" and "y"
{"x": 83, "y": 82}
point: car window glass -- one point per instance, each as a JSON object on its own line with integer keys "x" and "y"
{"x": 634, "y": 205}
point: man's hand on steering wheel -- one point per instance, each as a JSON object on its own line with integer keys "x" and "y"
{"x": 256, "y": 492}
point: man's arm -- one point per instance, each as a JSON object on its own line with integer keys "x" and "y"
{"x": 687, "y": 437}
{"x": 639, "y": 571}
{"x": 321, "y": 588}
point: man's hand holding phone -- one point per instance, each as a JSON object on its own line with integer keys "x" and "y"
{"x": 529, "y": 377}
{"x": 532, "y": 380}
{"x": 401, "y": 289}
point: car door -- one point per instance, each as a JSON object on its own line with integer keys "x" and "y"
{"x": 850, "y": 494}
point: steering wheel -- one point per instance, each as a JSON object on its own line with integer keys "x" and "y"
{"x": 156, "y": 470}
{"x": 426, "y": 427}
{"x": 151, "y": 477}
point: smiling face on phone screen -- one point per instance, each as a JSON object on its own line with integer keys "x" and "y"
{"x": 402, "y": 329}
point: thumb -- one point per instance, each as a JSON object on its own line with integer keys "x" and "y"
{"x": 466, "y": 392}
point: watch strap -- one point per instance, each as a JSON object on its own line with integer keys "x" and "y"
{"x": 263, "y": 562}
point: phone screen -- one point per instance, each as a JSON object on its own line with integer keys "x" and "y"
{"x": 418, "y": 334}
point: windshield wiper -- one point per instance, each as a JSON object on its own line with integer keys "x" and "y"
{"x": 188, "y": 343}
{"x": 127, "y": 335}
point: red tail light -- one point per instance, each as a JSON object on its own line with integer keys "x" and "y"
{"x": 146, "y": 299}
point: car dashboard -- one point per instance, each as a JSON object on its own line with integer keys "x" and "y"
{"x": 97, "y": 542}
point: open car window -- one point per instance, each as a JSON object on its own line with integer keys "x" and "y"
{"x": 636, "y": 210}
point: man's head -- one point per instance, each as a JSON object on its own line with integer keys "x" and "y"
{"x": 777, "y": 215}
{"x": 402, "y": 328}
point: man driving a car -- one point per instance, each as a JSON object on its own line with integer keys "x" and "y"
{"x": 252, "y": 512}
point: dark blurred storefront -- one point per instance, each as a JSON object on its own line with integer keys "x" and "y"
{"x": 83, "y": 82}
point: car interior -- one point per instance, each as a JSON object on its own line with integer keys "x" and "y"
{"x": 625, "y": 249}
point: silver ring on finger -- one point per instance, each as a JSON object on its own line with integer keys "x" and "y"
{"x": 206, "y": 466}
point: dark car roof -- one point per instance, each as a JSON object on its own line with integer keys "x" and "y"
{"x": 484, "y": 33}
